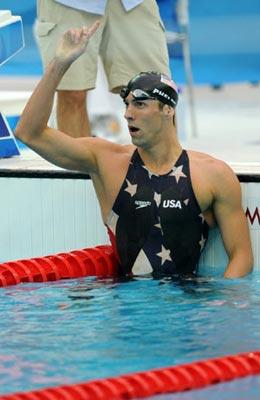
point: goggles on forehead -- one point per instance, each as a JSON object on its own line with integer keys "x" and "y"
{"x": 138, "y": 94}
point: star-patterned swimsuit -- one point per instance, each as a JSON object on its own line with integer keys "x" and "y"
{"x": 156, "y": 225}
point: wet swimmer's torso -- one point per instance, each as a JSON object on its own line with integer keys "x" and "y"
{"x": 156, "y": 224}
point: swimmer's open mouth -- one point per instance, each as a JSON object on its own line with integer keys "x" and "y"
{"x": 133, "y": 129}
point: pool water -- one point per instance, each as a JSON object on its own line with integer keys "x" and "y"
{"x": 78, "y": 330}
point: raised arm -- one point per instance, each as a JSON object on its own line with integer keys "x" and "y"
{"x": 232, "y": 222}
{"x": 32, "y": 129}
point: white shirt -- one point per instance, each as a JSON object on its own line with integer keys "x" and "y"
{"x": 97, "y": 6}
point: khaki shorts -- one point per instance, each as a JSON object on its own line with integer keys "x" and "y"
{"x": 127, "y": 42}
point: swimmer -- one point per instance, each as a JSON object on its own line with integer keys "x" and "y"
{"x": 157, "y": 199}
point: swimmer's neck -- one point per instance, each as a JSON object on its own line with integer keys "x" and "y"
{"x": 160, "y": 158}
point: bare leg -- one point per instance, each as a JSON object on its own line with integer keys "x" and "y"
{"x": 72, "y": 116}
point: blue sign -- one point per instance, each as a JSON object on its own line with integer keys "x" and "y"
{"x": 11, "y": 35}
{"x": 8, "y": 145}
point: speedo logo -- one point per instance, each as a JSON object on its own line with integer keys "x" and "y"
{"x": 142, "y": 204}
{"x": 172, "y": 204}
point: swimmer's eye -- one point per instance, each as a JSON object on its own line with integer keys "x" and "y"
{"x": 139, "y": 103}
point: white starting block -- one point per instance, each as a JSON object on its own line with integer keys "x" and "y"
{"x": 11, "y": 35}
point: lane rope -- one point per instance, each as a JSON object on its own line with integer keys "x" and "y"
{"x": 96, "y": 261}
{"x": 173, "y": 379}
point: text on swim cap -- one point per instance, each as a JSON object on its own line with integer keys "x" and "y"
{"x": 163, "y": 94}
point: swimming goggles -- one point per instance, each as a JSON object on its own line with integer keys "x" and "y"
{"x": 138, "y": 94}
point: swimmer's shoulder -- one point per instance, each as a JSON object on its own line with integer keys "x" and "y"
{"x": 215, "y": 170}
{"x": 207, "y": 161}
{"x": 112, "y": 156}
{"x": 102, "y": 146}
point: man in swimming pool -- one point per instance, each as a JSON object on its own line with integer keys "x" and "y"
{"x": 157, "y": 200}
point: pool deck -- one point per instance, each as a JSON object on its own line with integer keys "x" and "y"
{"x": 235, "y": 156}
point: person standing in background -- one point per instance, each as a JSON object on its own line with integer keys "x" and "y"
{"x": 131, "y": 38}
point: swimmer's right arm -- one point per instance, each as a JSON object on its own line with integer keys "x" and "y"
{"x": 32, "y": 129}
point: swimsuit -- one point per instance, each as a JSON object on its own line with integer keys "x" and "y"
{"x": 156, "y": 224}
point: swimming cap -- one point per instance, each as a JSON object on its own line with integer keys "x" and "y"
{"x": 155, "y": 85}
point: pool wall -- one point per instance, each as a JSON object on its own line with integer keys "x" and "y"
{"x": 45, "y": 213}
{"x": 41, "y": 216}
{"x": 215, "y": 255}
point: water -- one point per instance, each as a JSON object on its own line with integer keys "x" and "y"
{"x": 78, "y": 330}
